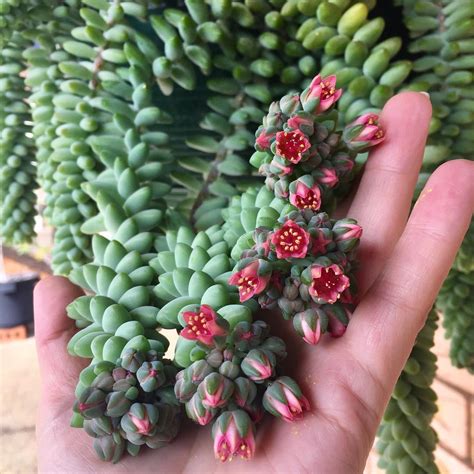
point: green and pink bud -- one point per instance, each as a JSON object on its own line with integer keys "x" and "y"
{"x": 151, "y": 375}
{"x": 326, "y": 176}
{"x": 291, "y": 145}
{"x": 284, "y": 399}
{"x": 197, "y": 412}
{"x": 215, "y": 390}
{"x": 327, "y": 283}
{"x": 321, "y": 94}
{"x": 245, "y": 391}
{"x": 234, "y": 435}
{"x": 91, "y": 403}
{"x": 184, "y": 389}
{"x": 338, "y": 320}
{"x": 203, "y": 325}
{"x": 264, "y": 139}
{"x": 344, "y": 164}
{"x": 308, "y": 325}
{"x": 291, "y": 241}
{"x": 290, "y": 103}
{"x": 320, "y": 240}
{"x": 301, "y": 121}
{"x": 305, "y": 193}
{"x": 347, "y": 234}
{"x": 141, "y": 420}
{"x": 258, "y": 365}
{"x": 364, "y": 132}
{"x": 251, "y": 278}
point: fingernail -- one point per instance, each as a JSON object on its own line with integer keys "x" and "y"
{"x": 425, "y": 93}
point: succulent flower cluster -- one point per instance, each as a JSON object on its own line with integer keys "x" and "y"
{"x": 300, "y": 149}
{"x": 234, "y": 379}
{"x": 130, "y": 404}
{"x": 304, "y": 266}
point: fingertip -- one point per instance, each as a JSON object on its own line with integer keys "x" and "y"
{"x": 51, "y": 296}
{"x": 408, "y": 104}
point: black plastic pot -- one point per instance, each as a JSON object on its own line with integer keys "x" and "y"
{"x": 16, "y": 300}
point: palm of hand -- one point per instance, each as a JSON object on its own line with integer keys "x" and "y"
{"x": 349, "y": 380}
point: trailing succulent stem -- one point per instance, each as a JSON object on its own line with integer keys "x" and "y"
{"x": 406, "y": 441}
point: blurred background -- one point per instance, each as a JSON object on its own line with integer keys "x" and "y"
{"x": 20, "y": 380}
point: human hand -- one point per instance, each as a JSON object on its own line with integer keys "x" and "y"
{"x": 348, "y": 380}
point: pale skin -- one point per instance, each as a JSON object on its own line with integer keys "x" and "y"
{"x": 404, "y": 259}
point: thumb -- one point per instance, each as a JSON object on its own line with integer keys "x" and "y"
{"x": 53, "y": 329}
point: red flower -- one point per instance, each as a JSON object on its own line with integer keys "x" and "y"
{"x": 326, "y": 90}
{"x": 291, "y": 241}
{"x": 202, "y": 326}
{"x": 365, "y": 129}
{"x": 306, "y": 197}
{"x": 249, "y": 282}
{"x": 328, "y": 283}
{"x": 233, "y": 435}
{"x": 292, "y": 145}
{"x": 320, "y": 95}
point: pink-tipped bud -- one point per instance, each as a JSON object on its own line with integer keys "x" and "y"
{"x": 326, "y": 176}
{"x": 320, "y": 240}
{"x": 338, "y": 319}
{"x": 252, "y": 279}
{"x": 203, "y": 325}
{"x": 258, "y": 365}
{"x": 234, "y": 435}
{"x": 284, "y": 399}
{"x": 291, "y": 241}
{"x": 327, "y": 283}
{"x": 264, "y": 139}
{"x": 305, "y": 193}
{"x": 245, "y": 391}
{"x": 301, "y": 121}
{"x": 308, "y": 325}
{"x": 347, "y": 234}
{"x": 197, "y": 412}
{"x": 364, "y": 132}
{"x": 320, "y": 95}
{"x": 215, "y": 390}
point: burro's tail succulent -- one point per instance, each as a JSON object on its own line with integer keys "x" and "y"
{"x": 278, "y": 248}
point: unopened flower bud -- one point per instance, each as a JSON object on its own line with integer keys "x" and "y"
{"x": 308, "y": 325}
{"x": 234, "y": 435}
{"x": 229, "y": 369}
{"x": 198, "y": 371}
{"x": 275, "y": 345}
{"x": 197, "y": 412}
{"x": 109, "y": 448}
{"x": 214, "y": 358}
{"x": 347, "y": 234}
{"x": 97, "y": 427}
{"x": 215, "y": 390}
{"x": 141, "y": 420}
{"x": 151, "y": 375}
{"x": 184, "y": 389}
{"x": 132, "y": 360}
{"x": 91, "y": 403}
{"x": 290, "y": 103}
{"x": 245, "y": 391}
{"x": 258, "y": 365}
{"x": 283, "y": 398}
{"x": 117, "y": 404}
{"x": 104, "y": 381}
